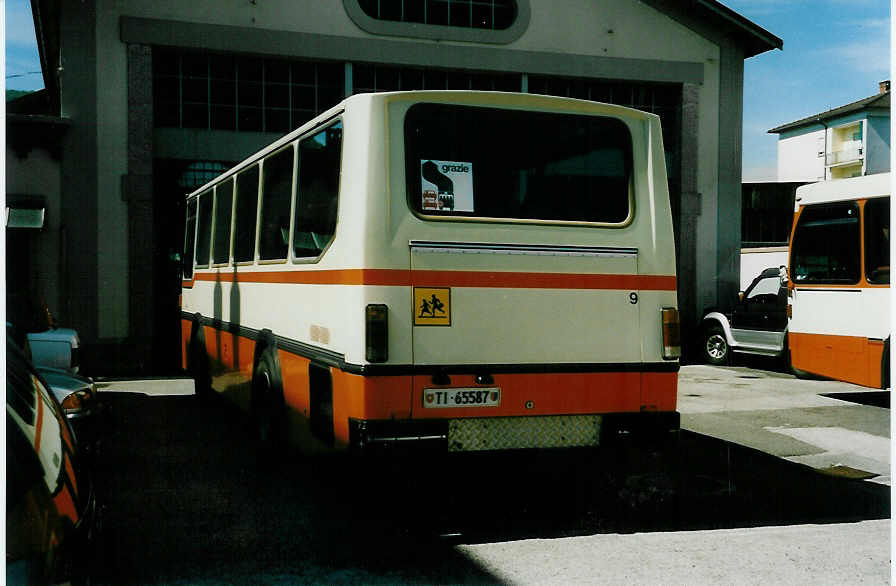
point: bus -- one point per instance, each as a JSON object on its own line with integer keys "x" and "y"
{"x": 468, "y": 271}
{"x": 839, "y": 298}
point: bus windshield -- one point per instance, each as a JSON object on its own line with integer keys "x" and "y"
{"x": 826, "y": 244}
{"x": 483, "y": 162}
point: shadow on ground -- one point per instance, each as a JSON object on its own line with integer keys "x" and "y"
{"x": 187, "y": 498}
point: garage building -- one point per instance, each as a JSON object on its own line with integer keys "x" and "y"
{"x": 145, "y": 101}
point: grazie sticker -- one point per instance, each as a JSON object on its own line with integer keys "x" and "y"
{"x": 447, "y": 185}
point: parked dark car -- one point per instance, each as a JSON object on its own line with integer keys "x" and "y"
{"x": 50, "y": 507}
{"x": 757, "y": 325}
{"x": 80, "y": 403}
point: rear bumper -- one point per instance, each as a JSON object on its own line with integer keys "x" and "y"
{"x": 442, "y": 435}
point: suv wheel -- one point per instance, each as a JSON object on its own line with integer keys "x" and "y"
{"x": 715, "y": 346}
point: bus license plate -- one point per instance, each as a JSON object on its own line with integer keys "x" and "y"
{"x": 479, "y": 397}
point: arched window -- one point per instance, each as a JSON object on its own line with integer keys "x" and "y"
{"x": 477, "y": 21}
{"x": 478, "y": 14}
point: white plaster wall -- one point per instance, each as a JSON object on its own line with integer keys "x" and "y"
{"x": 707, "y": 242}
{"x": 308, "y": 16}
{"x": 798, "y": 158}
{"x": 112, "y": 149}
{"x": 638, "y": 31}
{"x": 39, "y": 174}
{"x": 755, "y": 260}
{"x": 573, "y": 26}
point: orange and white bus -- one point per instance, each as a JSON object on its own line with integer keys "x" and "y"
{"x": 474, "y": 270}
{"x": 839, "y": 305}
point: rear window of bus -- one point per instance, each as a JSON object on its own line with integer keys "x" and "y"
{"x": 477, "y": 162}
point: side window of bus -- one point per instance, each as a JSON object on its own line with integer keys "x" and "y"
{"x": 223, "y": 211}
{"x": 204, "y": 230}
{"x": 877, "y": 240}
{"x": 318, "y": 191}
{"x": 246, "y": 215}
{"x": 276, "y": 196}
{"x": 189, "y": 239}
{"x": 826, "y": 244}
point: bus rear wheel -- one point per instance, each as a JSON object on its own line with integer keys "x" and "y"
{"x": 199, "y": 369}
{"x": 266, "y": 403}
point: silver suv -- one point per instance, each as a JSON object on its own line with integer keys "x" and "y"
{"x": 758, "y": 324}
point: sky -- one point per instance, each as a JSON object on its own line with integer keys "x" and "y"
{"x": 835, "y": 52}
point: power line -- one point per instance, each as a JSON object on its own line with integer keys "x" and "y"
{"x": 22, "y": 74}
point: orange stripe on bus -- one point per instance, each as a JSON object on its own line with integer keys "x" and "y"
{"x": 71, "y": 474}
{"x": 401, "y": 397}
{"x": 852, "y": 359}
{"x": 65, "y": 504}
{"x": 486, "y": 279}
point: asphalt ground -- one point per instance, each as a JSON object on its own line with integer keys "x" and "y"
{"x": 834, "y": 427}
{"x": 188, "y": 498}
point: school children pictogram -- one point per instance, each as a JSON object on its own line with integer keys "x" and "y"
{"x": 432, "y": 306}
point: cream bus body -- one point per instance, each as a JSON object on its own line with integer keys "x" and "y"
{"x": 422, "y": 318}
{"x": 839, "y": 324}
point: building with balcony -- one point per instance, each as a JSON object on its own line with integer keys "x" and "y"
{"x": 848, "y": 141}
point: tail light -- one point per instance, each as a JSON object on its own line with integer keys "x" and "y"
{"x": 377, "y": 320}
{"x": 75, "y": 402}
{"x": 671, "y": 334}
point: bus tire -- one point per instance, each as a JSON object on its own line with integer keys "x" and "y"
{"x": 198, "y": 362}
{"x": 714, "y": 347}
{"x": 266, "y": 402}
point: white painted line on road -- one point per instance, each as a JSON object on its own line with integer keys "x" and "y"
{"x": 842, "y": 447}
{"x": 152, "y": 387}
{"x": 833, "y": 439}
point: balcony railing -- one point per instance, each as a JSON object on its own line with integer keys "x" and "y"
{"x": 844, "y": 156}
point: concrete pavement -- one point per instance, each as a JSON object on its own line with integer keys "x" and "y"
{"x": 788, "y": 417}
{"x": 850, "y": 553}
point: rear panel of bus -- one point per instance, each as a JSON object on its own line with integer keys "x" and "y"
{"x": 840, "y": 280}
{"x": 499, "y": 277}
{"x": 538, "y": 241}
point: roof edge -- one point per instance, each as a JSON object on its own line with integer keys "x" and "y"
{"x": 748, "y": 26}
{"x": 857, "y": 106}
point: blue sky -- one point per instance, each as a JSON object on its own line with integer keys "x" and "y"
{"x": 21, "y": 49}
{"x": 835, "y": 52}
